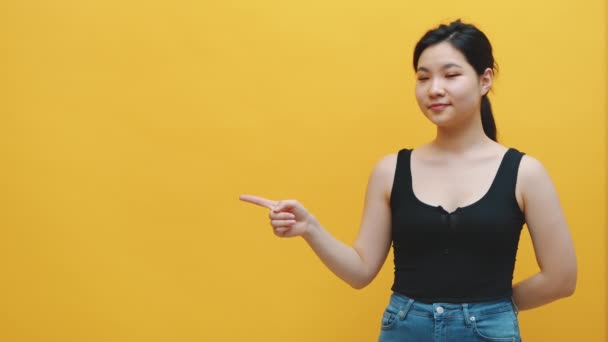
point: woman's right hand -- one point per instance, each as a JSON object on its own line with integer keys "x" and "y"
{"x": 288, "y": 218}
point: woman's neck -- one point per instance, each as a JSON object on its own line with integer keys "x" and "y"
{"x": 463, "y": 139}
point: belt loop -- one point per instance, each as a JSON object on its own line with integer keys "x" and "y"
{"x": 403, "y": 312}
{"x": 465, "y": 312}
{"x": 515, "y": 308}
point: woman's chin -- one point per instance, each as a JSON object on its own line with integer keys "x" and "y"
{"x": 441, "y": 119}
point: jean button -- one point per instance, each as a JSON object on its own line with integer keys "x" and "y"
{"x": 439, "y": 309}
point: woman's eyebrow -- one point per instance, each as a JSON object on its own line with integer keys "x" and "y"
{"x": 445, "y": 66}
{"x": 449, "y": 65}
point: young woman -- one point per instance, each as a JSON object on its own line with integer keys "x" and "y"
{"x": 453, "y": 210}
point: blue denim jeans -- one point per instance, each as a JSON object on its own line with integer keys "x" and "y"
{"x": 408, "y": 320}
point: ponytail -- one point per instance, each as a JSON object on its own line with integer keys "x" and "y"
{"x": 487, "y": 118}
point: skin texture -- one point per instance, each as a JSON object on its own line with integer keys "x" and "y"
{"x": 454, "y": 170}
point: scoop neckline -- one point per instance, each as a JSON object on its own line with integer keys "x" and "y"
{"x": 459, "y": 208}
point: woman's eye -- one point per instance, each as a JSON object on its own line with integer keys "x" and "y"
{"x": 422, "y": 78}
{"x": 452, "y": 75}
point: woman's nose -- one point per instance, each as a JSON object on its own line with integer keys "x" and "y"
{"x": 436, "y": 88}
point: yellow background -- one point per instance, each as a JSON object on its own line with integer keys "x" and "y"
{"x": 129, "y": 128}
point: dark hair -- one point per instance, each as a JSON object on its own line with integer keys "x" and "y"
{"x": 476, "y": 48}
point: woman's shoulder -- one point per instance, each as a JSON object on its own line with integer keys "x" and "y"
{"x": 532, "y": 174}
{"x": 531, "y": 167}
{"x": 386, "y": 166}
{"x": 381, "y": 177}
{"x": 529, "y": 164}
{"x": 387, "y": 163}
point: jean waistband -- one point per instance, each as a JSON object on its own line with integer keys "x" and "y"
{"x": 406, "y": 304}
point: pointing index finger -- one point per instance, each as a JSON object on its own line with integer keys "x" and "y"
{"x": 262, "y": 202}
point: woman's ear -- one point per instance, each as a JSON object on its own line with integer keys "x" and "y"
{"x": 485, "y": 81}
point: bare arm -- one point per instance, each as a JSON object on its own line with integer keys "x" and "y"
{"x": 357, "y": 265}
{"x": 551, "y": 238}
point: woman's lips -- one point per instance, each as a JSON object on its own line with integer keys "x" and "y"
{"x": 438, "y": 107}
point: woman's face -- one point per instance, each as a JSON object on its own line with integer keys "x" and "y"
{"x": 448, "y": 89}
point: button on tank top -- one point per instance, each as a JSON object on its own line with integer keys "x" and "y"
{"x": 464, "y": 256}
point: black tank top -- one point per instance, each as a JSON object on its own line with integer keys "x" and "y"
{"x": 464, "y": 256}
